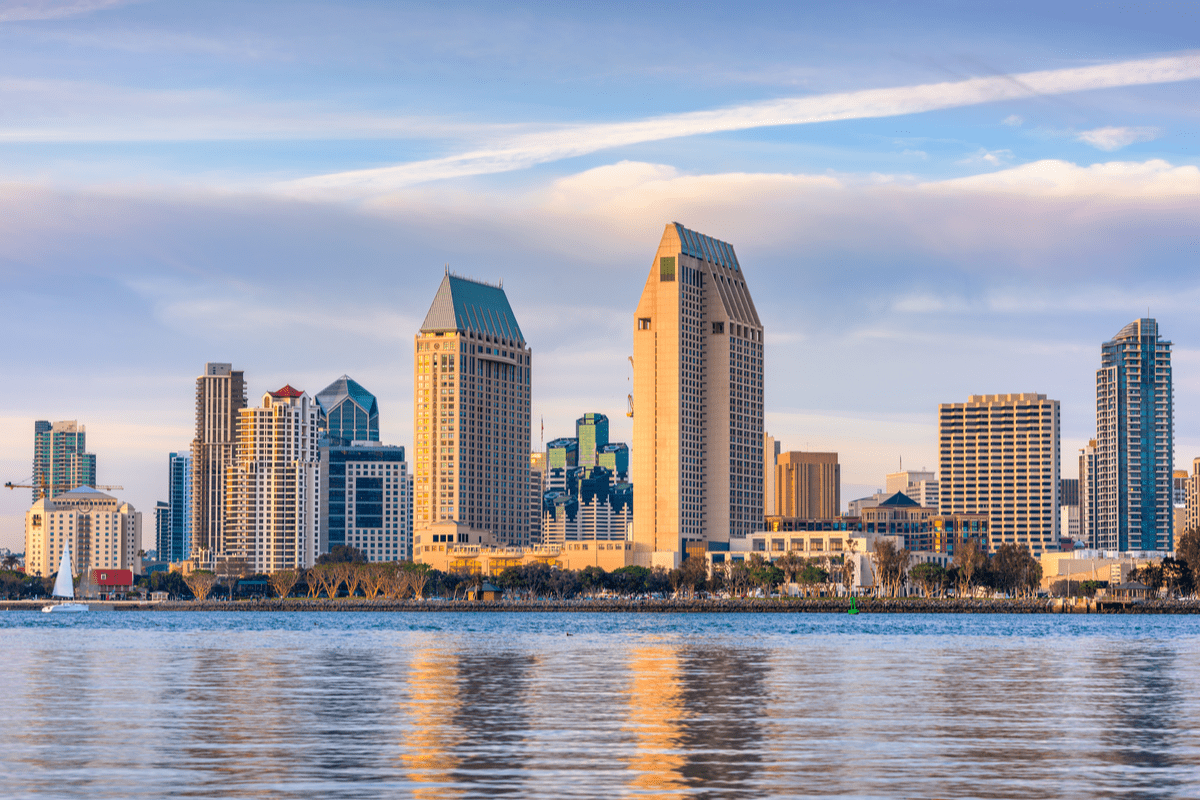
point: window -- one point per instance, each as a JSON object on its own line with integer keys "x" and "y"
{"x": 643, "y": 323}
{"x": 718, "y": 328}
{"x": 666, "y": 268}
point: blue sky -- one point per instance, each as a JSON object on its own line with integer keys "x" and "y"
{"x": 929, "y": 200}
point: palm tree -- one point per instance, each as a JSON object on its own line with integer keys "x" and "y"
{"x": 11, "y": 562}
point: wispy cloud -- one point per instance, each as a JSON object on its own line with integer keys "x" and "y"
{"x": 577, "y": 140}
{"x": 28, "y": 10}
{"x": 1114, "y": 138}
{"x": 1013, "y": 120}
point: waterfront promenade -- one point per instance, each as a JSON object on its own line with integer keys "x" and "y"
{"x": 659, "y": 605}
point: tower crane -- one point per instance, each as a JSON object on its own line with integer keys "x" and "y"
{"x": 46, "y": 488}
{"x": 629, "y": 413}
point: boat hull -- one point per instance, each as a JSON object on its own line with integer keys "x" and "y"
{"x": 65, "y": 608}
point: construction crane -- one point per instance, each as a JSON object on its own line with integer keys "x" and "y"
{"x": 629, "y": 412}
{"x": 44, "y": 487}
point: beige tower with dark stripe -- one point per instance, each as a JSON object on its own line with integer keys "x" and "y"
{"x": 697, "y": 458}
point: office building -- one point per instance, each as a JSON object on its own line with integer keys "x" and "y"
{"x": 162, "y": 526}
{"x": 1135, "y": 427}
{"x": 60, "y": 458}
{"x": 808, "y": 485}
{"x": 1087, "y": 494}
{"x": 1191, "y": 515}
{"x": 920, "y": 485}
{"x": 271, "y": 501}
{"x": 855, "y": 507}
{"x": 591, "y": 434}
{"x": 220, "y": 394}
{"x": 999, "y": 456}
{"x": 364, "y": 500}
{"x": 178, "y": 543}
{"x": 594, "y": 506}
{"x": 101, "y": 532}
{"x": 770, "y": 459}
{"x": 697, "y": 399}
{"x": 901, "y": 516}
{"x": 348, "y": 413}
{"x": 1068, "y": 492}
{"x": 615, "y": 457}
{"x": 471, "y": 411}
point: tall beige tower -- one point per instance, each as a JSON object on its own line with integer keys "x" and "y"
{"x": 808, "y": 485}
{"x": 697, "y": 459}
{"x": 471, "y": 414}
{"x": 220, "y": 393}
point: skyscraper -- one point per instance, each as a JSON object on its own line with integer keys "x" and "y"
{"x": 808, "y": 485}
{"x": 60, "y": 460}
{"x": 179, "y": 519}
{"x": 1135, "y": 434}
{"x": 220, "y": 393}
{"x": 271, "y": 486}
{"x": 364, "y": 500}
{"x": 697, "y": 396}
{"x": 591, "y": 434}
{"x": 770, "y": 459}
{"x": 999, "y": 456}
{"x": 1087, "y": 494}
{"x": 471, "y": 411}
{"x": 348, "y": 412}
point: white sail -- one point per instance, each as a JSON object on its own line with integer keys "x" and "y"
{"x": 64, "y": 587}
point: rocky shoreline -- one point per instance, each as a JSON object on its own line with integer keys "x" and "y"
{"x": 686, "y": 606}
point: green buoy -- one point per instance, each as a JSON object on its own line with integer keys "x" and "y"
{"x": 853, "y": 606}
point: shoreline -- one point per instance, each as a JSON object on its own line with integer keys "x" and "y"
{"x": 655, "y": 606}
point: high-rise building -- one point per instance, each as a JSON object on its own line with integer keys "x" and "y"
{"x": 364, "y": 500}
{"x": 348, "y": 413}
{"x": 60, "y": 458}
{"x": 999, "y": 456}
{"x": 178, "y": 543}
{"x": 271, "y": 509}
{"x": 471, "y": 410}
{"x": 220, "y": 394}
{"x": 1135, "y": 429}
{"x": 1191, "y": 515}
{"x": 591, "y": 434}
{"x": 162, "y": 526}
{"x": 808, "y": 485}
{"x": 697, "y": 398}
{"x": 615, "y": 457}
{"x": 594, "y": 506}
{"x": 1068, "y": 492}
{"x": 919, "y": 485}
{"x": 1087, "y": 494}
{"x": 101, "y": 532}
{"x": 770, "y": 459}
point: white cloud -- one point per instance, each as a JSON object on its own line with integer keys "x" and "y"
{"x": 28, "y": 10}
{"x": 1154, "y": 178}
{"x": 992, "y": 157}
{"x": 569, "y": 141}
{"x": 1111, "y": 138}
{"x": 1013, "y": 120}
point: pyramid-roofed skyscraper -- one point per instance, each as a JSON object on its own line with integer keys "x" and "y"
{"x": 471, "y": 408}
{"x": 349, "y": 412}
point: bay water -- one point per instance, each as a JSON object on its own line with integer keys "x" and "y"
{"x": 441, "y": 704}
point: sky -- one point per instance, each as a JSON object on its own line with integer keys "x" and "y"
{"x": 929, "y": 201}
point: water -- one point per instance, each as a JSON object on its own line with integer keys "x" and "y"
{"x": 162, "y": 704}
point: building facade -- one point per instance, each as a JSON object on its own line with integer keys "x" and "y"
{"x": 220, "y": 395}
{"x": 698, "y": 399}
{"x": 162, "y": 526}
{"x": 271, "y": 490}
{"x": 101, "y": 532}
{"x": 1191, "y": 514}
{"x": 1087, "y": 494}
{"x": 999, "y": 456}
{"x": 178, "y": 542}
{"x": 920, "y": 485}
{"x": 348, "y": 413}
{"x": 471, "y": 411}
{"x": 60, "y": 458}
{"x": 1135, "y": 428}
{"x": 364, "y": 500}
{"x": 808, "y": 485}
{"x": 770, "y": 459}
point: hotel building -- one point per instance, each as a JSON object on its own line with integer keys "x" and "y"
{"x": 101, "y": 531}
{"x": 471, "y": 410}
{"x": 1135, "y": 429}
{"x": 60, "y": 460}
{"x": 220, "y": 394}
{"x": 999, "y": 456}
{"x": 808, "y": 485}
{"x": 697, "y": 395}
{"x": 271, "y": 489}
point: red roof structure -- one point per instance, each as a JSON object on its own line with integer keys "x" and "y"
{"x": 288, "y": 391}
{"x": 113, "y": 578}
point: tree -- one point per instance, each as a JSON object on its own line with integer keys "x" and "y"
{"x": 847, "y": 568}
{"x": 201, "y": 583}
{"x": 1014, "y": 570}
{"x": 1187, "y": 549}
{"x": 630, "y": 580}
{"x": 695, "y": 573}
{"x": 970, "y": 560}
{"x": 565, "y": 583}
{"x": 891, "y": 566}
{"x": 282, "y": 581}
{"x": 929, "y": 576}
{"x": 418, "y": 576}
{"x": 1178, "y": 576}
{"x": 593, "y": 578}
{"x": 341, "y": 553}
{"x": 11, "y": 561}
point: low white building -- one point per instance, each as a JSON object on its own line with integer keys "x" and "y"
{"x": 101, "y": 531}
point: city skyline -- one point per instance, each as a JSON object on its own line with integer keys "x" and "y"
{"x": 188, "y": 219}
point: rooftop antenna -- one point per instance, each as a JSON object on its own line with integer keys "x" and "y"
{"x": 447, "y": 268}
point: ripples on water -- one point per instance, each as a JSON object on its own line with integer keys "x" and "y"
{"x": 549, "y": 705}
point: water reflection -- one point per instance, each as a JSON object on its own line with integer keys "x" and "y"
{"x": 581, "y": 706}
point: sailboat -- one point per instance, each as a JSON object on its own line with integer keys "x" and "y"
{"x": 64, "y": 587}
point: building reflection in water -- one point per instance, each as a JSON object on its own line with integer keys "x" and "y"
{"x": 430, "y": 739}
{"x": 656, "y": 718}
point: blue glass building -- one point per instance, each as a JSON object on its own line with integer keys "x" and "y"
{"x": 1135, "y": 430}
{"x": 348, "y": 412}
{"x": 178, "y": 543}
{"x": 366, "y": 501}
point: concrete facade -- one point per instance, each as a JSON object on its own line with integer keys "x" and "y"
{"x": 220, "y": 394}
{"x": 101, "y": 531}
{"x": 808, "y": 485}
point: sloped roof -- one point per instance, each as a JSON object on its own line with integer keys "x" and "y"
{"x": 702, "y": 246}
{"x": 465, "y": 305}
{"x": 82, "y": 492}
{"x": 288, "y": 391}
{"x": 346, "y": 387}
{"x": 899, "y": 499}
